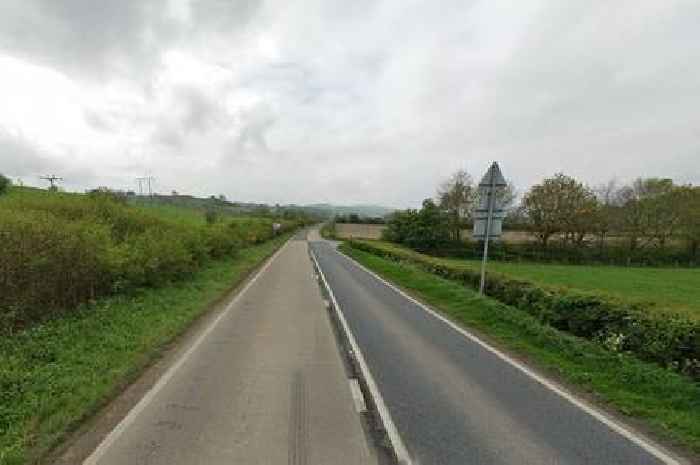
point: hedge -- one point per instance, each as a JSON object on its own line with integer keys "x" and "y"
{"x": 588, "y": 253}
{"x": 666, "y": 338}
{"x": 62, "y": 250}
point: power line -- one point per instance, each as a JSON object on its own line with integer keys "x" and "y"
{"x": 52, "y": 178}
{"x": 147, "y": 181}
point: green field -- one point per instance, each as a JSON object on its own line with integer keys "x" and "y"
{"x": 192, "y": 215}
{"x": 677, "y": 289}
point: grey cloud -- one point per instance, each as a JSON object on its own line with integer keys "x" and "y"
{"x": 84, "y": 37}
{"x": 220, "y": 16}
{"x": 190, "y": 111}
{"x": 19, "y": 157}
{"x": 97, "y": 120}
{"x": 104, "y": 39}
{"x": 255, "y": 124}
{"x": 406, "y": 90}
{"x": 199, "y": 111}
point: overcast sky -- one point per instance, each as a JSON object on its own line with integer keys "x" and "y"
{"x": 346, "y": 101}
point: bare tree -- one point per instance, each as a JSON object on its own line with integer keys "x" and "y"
{"x": 607, "y": 195}
{"x": 505, "y": 197}
{"x": 456, "y": 196}
{"x": 650, "y": 211}
{"x": 689, "y": 226}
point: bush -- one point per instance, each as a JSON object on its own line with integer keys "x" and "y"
{"x": 5, "y": 184}
{"x": 152, "y": 258}
{"x": 557, "y": 252}
{"x": 671, "y": 340}
{"x": 425, "y": 229}
{"x": 61, "y": 250}
{"x": 48, "y": 264}
{"x": 211, "y": 216}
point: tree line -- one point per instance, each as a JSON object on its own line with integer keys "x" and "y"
{"x": 645, "y": 217}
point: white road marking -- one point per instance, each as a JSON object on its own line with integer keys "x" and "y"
{"x": 392, "y": 432}
{"x": 624, "y": 431}
{"x": 357, "y": 397}
{"x": 113, "y": 435}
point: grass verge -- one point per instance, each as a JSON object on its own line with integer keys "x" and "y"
{"x": 664, "y": 402}
{"x": 55, "y": 375}
{"x": 658, "y": 289}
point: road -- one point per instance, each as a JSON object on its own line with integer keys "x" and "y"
{"x": 263, "y": 384}
{"x": 453, "y": 401}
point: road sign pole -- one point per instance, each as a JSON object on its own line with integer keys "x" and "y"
{"x": 491, "y": 199}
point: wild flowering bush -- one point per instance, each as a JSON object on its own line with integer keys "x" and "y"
{"x": 60, "y": 250}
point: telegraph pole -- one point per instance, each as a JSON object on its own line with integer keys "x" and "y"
{"x": 52, "y": 178}
{"x": 139, "y": 181}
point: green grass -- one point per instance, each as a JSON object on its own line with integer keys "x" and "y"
{"x": 194, "y": 216}
{"x": 676, "y": 289}
{"x": 665, "y": 401}
{"x": 190, "y": 215}
{"x": 56, "y": 374}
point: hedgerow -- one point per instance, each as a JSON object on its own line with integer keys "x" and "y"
{"x": 666, "y": 338}
{"x": 58, "y": 251}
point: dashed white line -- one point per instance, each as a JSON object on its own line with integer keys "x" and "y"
{"x": 357, "y": 397}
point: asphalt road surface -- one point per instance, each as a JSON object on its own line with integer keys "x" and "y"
{"x": 453, "y": 401}
{"x": 264, "y": 384}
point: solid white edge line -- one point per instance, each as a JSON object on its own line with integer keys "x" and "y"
{"x": 595, "y": 413}
{"x": 113, "y": 435}
{"x": 397, "y": 444}
{"x": 360, "y": 405}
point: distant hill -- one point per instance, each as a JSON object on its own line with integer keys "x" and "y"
{"x": 329, "y": 210}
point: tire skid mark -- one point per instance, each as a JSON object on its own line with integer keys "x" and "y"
{"x": 298, "y": 421}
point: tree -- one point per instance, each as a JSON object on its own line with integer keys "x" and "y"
{"x": 456, "y": 196}
{"x": 650, "y": 211}
{"x": 5, "y": 184}
{"x": 689, "y": 224}
{"x": 424, "y": 229}
{"x": 506, "y": 196}
{"x": 604, "y": 219}
{"x": 559, "y": 204}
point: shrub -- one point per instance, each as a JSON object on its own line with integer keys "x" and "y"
{"x": 671, "y": 340}
{"x": 221, "y": 240}
{"x": 211, "y": 216}
{"x": 60, "y": 250}
{"x": 425, "y": 229}
{"x": 5, "y": 184}
{"x": 152, "y": 258}
{"x": 48, "y": 264}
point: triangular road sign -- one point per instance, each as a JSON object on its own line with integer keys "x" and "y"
{"x": 493, "y": 174}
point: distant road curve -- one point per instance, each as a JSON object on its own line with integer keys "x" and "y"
{"x": 454, "y": 401}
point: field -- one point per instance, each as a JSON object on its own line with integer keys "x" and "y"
{"x": 374, "y": 231}
{"x": 676, "y": 289}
